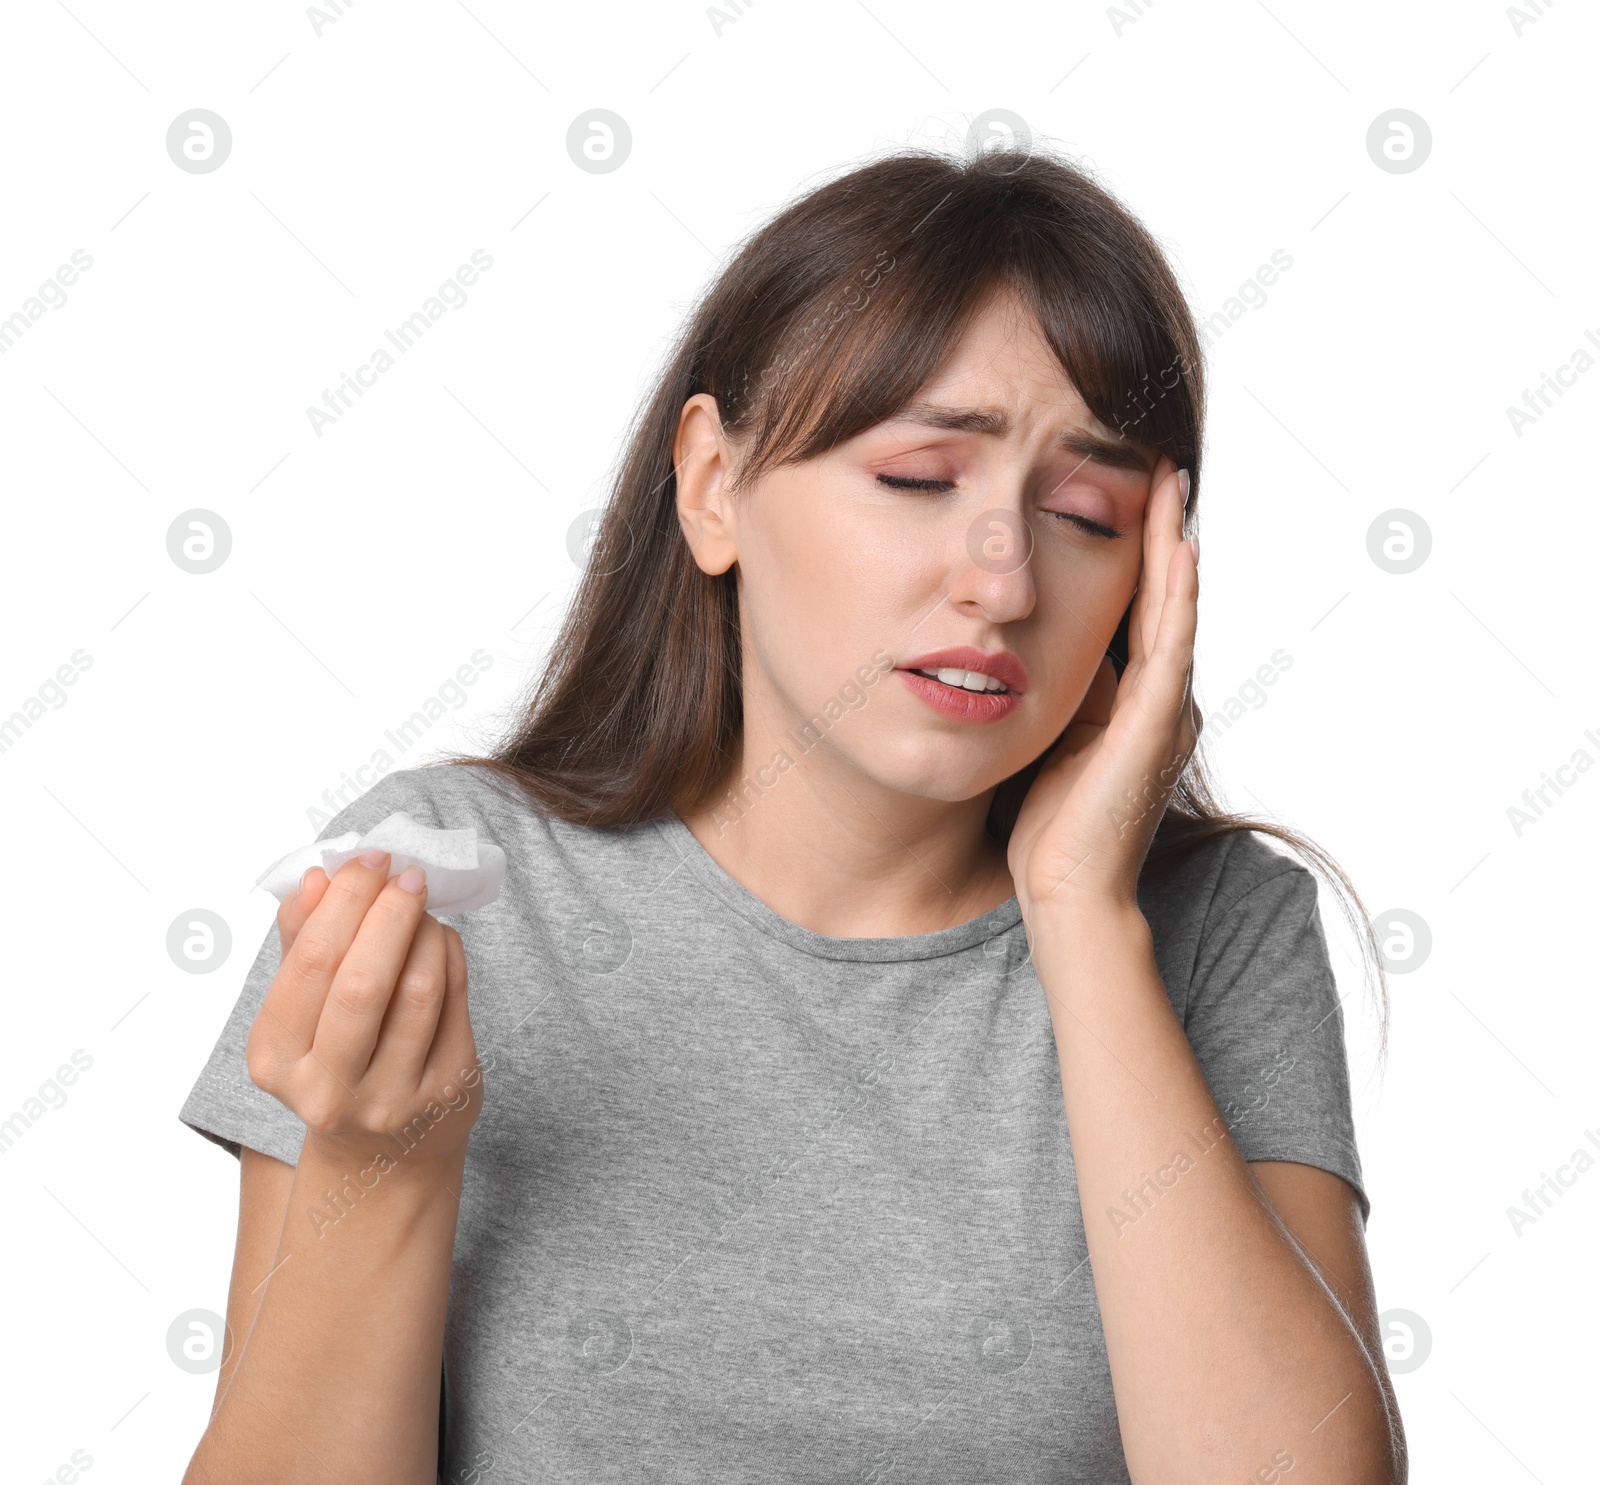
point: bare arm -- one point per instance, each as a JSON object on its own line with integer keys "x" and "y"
{"x": 1232, "y": 1356}
{"x": 1228, "y": 1350}
{"x": 342, "y": 1264}
{"x": 1323, "y": 1215}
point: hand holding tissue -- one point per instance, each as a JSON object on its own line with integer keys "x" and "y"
{"x": 463, "y": 871}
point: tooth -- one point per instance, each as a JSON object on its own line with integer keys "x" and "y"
{"x": 975, "y": 681}
{"x": 953, "y": 677}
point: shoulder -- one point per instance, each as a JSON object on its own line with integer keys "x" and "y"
{"x": 1238, "y": 871}
{"x": 432, "y": 793}
{"x": 1236, "y": 909}
{"x": 452, "y": 796}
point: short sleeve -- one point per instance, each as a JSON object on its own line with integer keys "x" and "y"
{"x": 224, "y": 1105}
{"x": 1264, "y": 1018}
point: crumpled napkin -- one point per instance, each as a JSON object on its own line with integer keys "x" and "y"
{"x": 464, "y": 872}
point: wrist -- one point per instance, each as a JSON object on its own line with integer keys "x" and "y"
{"x": 356, "y": 1192}
{"x": 401, "y": 1158}
{"x": 1066, "y": 935}
{"x": 1084, "y": 915}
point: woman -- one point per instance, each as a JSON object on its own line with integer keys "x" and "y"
{"x": 885, "y": 1056}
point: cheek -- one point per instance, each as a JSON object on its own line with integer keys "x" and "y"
{"x": 1079, "y": 611}
{"x": 815, "y": 579}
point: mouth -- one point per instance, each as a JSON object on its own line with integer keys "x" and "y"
{"x": 966, "y": 680}
{"x": 967, "y": 684}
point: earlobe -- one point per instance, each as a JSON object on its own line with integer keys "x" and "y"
{"x": 705, "y": 512}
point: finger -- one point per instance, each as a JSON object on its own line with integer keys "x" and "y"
{"x": 1191, "y": 705}
{"x": 454, "y": 1048}
{"x": 1164, "y": 683}
{"x": 298, "y": 906}
{"x": 1147, "y": 601}
{"x": 294, "y": 1001}
{"x": 1165, "y": 535}
{"x": 347, "y": 1031}
{"x": 406, "y": 1036}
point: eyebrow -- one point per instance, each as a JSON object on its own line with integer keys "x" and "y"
{"x": 1116, "y": 453}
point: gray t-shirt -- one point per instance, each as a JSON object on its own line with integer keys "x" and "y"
{"x": 749, "y": 1202}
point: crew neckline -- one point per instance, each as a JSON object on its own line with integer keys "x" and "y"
{"x": 747, "y": 905}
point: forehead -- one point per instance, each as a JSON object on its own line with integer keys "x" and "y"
{"x": 1002, "y": 375}
{"x": 1084, "y": 437}
{"x": 1004, "y": 346}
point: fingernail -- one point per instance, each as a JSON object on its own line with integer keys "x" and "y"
{"x": 373, "y": 858}
{"x": 411, "y": 879}
{"x": 303, "y": 875}
{"x": 1194, "y": 541}
{"x": 1183, "y": 485}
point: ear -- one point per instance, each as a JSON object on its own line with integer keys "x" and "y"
{"x": 701, "y": 457}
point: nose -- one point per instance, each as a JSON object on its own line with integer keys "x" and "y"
{"x": 992, "y": 571}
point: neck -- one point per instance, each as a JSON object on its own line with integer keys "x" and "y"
{"x": 829, "y": 849}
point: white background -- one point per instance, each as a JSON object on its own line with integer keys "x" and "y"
{"x": 369, "y": 161}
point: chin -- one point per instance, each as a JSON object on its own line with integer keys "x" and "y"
{"x": 937, "y": 768}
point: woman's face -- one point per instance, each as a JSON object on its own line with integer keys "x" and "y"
{"x": 914, "y": 538}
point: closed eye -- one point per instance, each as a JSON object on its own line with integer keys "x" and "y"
{"x": 1094, "y": 528}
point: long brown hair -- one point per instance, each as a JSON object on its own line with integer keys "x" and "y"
{"x": 826, "y": 322}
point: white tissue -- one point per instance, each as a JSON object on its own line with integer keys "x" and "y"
{"x": 463, "y": 871}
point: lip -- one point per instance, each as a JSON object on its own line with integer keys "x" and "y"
{"x": 968, "y": 706}
{"x": 1001, "y": 664}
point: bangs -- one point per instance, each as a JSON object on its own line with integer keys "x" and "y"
{"x": 874, "y": 307}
